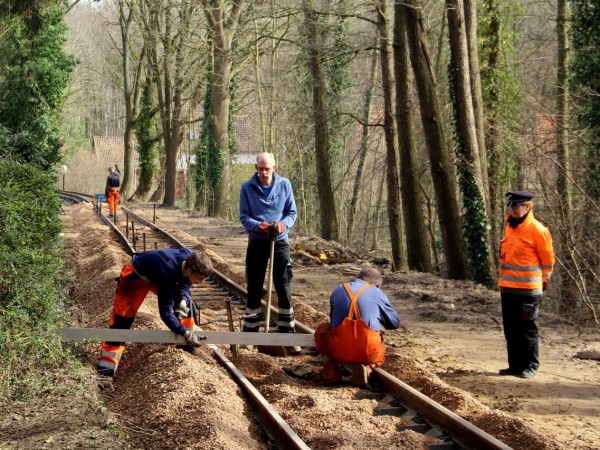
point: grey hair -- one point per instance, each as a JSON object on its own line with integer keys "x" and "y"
{"x": 371, "y": 275}
{"x": 268, "y": 157}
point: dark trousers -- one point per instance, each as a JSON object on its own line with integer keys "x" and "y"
{"x": 520, "y": 330}
{"x": 257, "y": 260}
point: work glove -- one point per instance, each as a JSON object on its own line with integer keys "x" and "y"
{"x": 181, "y": 311}
{"x": 264, "y": 227}
{"x": 544, "y": 285}
{"x": 275, "y": 229}
{"x": 195, "y": 339}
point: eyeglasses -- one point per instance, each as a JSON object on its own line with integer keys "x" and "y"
{"x": 514, "y": 203}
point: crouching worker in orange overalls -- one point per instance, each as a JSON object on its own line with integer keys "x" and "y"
{"x": 169, "y": 273}
{"x": 359, "y": 310}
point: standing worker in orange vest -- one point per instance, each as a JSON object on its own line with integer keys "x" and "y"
{"x": 526, "y": 263}
{"x": 113, "y": 182}
{"x": 359, "y": 311}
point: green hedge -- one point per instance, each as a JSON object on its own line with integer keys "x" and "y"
{"x": 31, "y": 282}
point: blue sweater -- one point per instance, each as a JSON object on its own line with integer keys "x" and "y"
{"x": 256, "y": 207}
{"x": 374, "y": 307}
{"x": 163, "y": 268}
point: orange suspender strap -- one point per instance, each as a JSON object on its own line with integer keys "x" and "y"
{"x": 354, "y": 313}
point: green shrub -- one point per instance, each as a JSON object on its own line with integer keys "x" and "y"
{"x": 31, "y": 281}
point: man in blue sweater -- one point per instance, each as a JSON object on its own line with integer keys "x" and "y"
{"x": 268, "y": 211}
{"x": 169, "y": 273}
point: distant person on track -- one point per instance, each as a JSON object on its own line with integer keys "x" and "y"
{"x": 359, "y": 311}
{"x": 169, "y": 273}
{"x": 113, "y": 183}
{"x": 526, "y": 263}
{"x": 267, "y": 212}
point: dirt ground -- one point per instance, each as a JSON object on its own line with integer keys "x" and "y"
{"x": 450, "y": 347}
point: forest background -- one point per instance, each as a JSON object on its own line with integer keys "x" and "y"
{"x": 400, "y": 124}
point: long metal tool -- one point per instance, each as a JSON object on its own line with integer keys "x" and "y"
{"x": 168, "y": 337}
{"x": 269, "y": 286}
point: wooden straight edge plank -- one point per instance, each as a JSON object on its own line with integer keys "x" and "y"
{"x": 168, "y": 337}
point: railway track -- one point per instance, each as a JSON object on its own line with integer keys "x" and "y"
{"x": 398, "y": 402}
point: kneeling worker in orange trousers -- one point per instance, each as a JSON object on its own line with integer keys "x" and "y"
{"x": 359, "y": 311}
{"x": 169, "y": 273}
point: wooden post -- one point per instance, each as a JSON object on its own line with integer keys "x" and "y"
{"x": 133, "y": 234}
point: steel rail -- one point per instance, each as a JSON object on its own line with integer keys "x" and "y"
{"x": 460, "y": 430}
{"x": 274, "y": 425}
{"x": 277, "y": 428}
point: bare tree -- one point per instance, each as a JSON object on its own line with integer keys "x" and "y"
{"x": 399, "y": 261}
{"x": 168, "y": 35}
{"x": 223, "y": 18}
{"x": 328, "y": 215}
{"x": 442, "y": 171}
{"x": 417, "y": 240}
{"x": 563, "y": 186}
{"x": 470, "y": 13}
{"x": 364, "y": 145}
{"x": 131, "y": 90}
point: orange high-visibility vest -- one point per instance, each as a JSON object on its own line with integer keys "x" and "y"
{"x": 526, "y": 256}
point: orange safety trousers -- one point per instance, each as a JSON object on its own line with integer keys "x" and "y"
{"x": 131, "y": 293}
{"x": 112, "y": 198}
{"x": 350, "y": 342}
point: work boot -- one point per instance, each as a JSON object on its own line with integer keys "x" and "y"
{"x": 507, "y": 371}
{"x": 106, "y": 383}
{"x": 360, "y": 375}
{"x": 528, "y": 373}
{"x": 331, "y": 373}
{"x": 294, "y": 349}
{"x": 105, "y": 372}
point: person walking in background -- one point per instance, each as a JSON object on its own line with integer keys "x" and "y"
{"x": 267, "y": 212}
{"x": 113, "y": 183}
{"x": 359, "y": 311}
{"x": 169, "y": 273}
{"x": 526, "y": 263}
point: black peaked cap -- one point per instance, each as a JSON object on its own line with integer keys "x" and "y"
{"x": 519, "y": 195}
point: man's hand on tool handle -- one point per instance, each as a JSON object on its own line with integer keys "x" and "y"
{"x": 275, "y": 229}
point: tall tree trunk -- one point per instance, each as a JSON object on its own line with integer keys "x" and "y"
{"x": 568, "y": 287}
{"x": 375, "y": 241}
{"x": 327, "y": 210}
{"x": 417, "y": 240}
{"x": 442, "y": 170}
{"x": 223, "y": 18}
{"x": 399, "y": 261}
{"x": 464, "y": 95}
{"x": 364, "y": 145}
{"x": 131, "y": 93}
{"x": 471, "y": 22}
{"x": 493, "y": 127}
{"x": 473, "y": 183}
{"x": 470, "y": 13}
